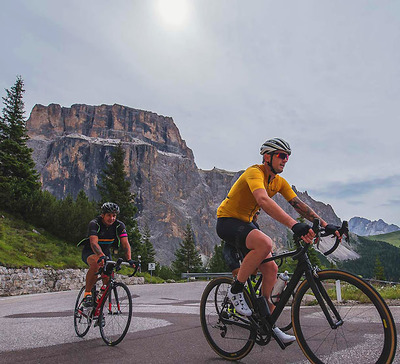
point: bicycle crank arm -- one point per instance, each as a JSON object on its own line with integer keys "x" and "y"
{"x": 337, "y": 324}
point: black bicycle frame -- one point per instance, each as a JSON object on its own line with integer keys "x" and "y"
{"x": 303, "y": 267}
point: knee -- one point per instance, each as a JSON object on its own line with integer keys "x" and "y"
{"x": 260, "y": 242}
{"x": 269, "y": 269}
{"x": 274, "y": 269}
{"x": 266, "y": 245}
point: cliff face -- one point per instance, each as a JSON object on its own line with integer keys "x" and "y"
{"x": 72, "y": 145}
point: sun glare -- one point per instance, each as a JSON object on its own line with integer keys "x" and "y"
{"x": 173, "y": 12}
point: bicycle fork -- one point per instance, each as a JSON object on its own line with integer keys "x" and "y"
{"x": 324, "y": 300}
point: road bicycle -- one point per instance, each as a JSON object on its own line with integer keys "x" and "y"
{"x": 111, "y": 308}
{"x": 336, "y": 316}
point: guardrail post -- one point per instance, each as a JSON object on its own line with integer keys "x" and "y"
{"x": 338, "y": 291}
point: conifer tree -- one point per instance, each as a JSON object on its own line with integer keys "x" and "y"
{"x": 379, "y": 270}
{"x": 147, "y": 250}
{"x": 187, "y": 257}
{"x": 217, "y": 262}
{"x": 115, "y": 187}
{"x": 18, "y": 177}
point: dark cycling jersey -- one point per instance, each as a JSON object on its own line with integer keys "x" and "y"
{"x": 107, "y": 235}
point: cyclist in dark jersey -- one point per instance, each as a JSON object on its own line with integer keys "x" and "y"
{"x": 104, "y": 231}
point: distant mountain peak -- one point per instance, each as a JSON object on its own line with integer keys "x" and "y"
{"x": 364, "y": 227}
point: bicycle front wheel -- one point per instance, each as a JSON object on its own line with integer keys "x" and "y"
{"x": 362, "y": 330}
{"x": 82, "y": 315}
{"x": 115, "y": 314}
{"x": 228, "y": 333}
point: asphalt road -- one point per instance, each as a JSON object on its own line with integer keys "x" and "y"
{"x": 165, "y": 329}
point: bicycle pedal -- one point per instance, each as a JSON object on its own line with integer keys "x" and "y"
{"x": 100, "y": 322}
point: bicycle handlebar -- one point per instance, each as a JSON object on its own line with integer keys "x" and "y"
{"x": 117, "y": 266}
{"x": 343, "y": 230}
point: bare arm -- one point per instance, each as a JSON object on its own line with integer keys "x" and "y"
{"x": 126, "y": 247}
{"x": 276, "y": 212}
{"x": 272, "y": 208}
{"x": 306, "y": 211}
{"x": 94, "y": 244}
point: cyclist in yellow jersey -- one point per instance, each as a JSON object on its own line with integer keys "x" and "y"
{"x": 252, "y": 191}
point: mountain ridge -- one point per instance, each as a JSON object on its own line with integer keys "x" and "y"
{"x": 364, "y": 227}
{"x": 72, "y": 145}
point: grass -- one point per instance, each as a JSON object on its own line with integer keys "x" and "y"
{"x": 23, "y": 245}
{"x": 352, "y": 293}
{"x": 392, "y": 238}
{"x": 389, "y": 292}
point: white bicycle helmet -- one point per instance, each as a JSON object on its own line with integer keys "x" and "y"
{"x": 272, "y": 145}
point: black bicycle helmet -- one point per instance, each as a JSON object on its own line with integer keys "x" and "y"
{"x": 108, "y": 207}
{"x": 272, "y": 145}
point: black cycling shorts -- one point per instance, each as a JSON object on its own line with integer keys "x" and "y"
{"x": 87, "y": 252}
{"x": 234, "y": 231}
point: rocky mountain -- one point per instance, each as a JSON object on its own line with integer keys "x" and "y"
{"x": 365, "y": 227}
{"x": 72, "y": 145}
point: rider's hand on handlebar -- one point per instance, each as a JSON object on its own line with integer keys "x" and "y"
{"x": 331, "y": 229}
{"x": 101, "y": 260}
{"x": 132, "y": 263}
{"x": 304, "y": 231}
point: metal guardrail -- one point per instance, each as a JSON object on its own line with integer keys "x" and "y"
{"x": 205, "y": 275}
{"x": 229, "y": 274}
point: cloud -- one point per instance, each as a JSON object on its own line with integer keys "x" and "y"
{"x": 345, "y": 190}
{"x": 392, "y": 203}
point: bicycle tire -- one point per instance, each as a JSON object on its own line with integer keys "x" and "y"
{"x": 220, "y": 323}
{"x": 367, "y": 333}
{"x": 82, "y": 316}
{"x": 115, "y": 314}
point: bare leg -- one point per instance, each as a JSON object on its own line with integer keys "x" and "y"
{"x": 269, "y": 271}
{"x": 235, "y": 272}
{"x": 91, "y": 276}
{"x": 260, "y": 246}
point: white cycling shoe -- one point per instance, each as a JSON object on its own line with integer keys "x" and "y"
{"x": 239, "y": 303}
{"x": 285, "y": 338}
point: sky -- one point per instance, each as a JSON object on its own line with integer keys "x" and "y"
{"x": 323, "y": 75}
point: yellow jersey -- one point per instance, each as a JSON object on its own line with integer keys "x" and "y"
{"x": 240, "y": 202}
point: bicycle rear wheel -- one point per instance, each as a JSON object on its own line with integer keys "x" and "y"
{"x": 228, "y": 333}
{"x": 115, "y": 314}
{"x": 366, "y": 334}
{"x": 82, "y": 315}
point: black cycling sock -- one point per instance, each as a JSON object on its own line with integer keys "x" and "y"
{"x": 237, "y": 286}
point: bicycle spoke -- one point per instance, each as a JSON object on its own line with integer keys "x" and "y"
{"x": 116, "y": 314}
{"x": 82, "y": 316}
{"x": 221, "y": 325}
{"x": 362, "y": 328}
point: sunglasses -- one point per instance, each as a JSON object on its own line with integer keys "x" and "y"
{"x": 282, "y": 155}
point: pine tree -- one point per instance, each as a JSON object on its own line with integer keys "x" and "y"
{"x": 18, "y": 177}
{"x": 379, "y": 270}
{"x": 217, "y": 262}
{"x": 115, "y": 187}
{"x": 147, "y": 250}
{"x": 187, "y": 258}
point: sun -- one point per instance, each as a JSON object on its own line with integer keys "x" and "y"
{"x": 173, "y": 12}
